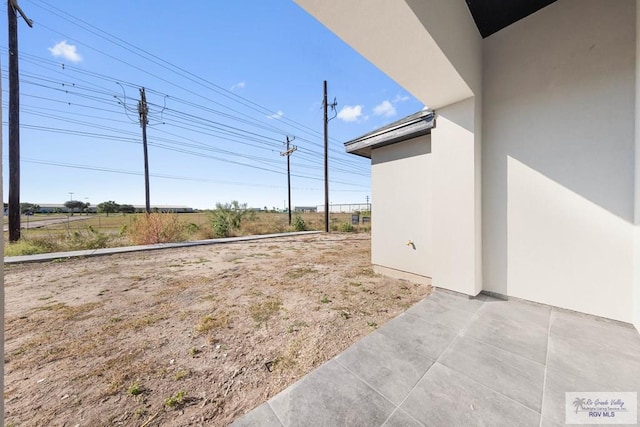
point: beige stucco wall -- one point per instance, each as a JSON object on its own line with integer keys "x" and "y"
{"x": 401, "y": 176}
{"x": 457, "y": 199}
{"x": 636, "y": 257}
{"x": 558, "y": 157}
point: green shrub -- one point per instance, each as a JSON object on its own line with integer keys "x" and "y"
{"x": 299, "y": 224}
{"x": 26, "y": 247}
{"x": 192, "y": 228}
{"x": 345, "y": 227}
{"x": 92, "y": 239}
{"x": 228, "y": 218}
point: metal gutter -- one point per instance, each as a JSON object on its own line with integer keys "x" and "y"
{"x": 417, "y": 124}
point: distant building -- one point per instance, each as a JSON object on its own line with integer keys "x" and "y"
{"x": 305, "y": 209}
{"x": 61, "y": 208}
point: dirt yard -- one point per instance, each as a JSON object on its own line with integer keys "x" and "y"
{"x": 185, "y": 337}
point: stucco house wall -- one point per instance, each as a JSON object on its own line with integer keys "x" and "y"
{"x": 558, "y": 157}
{"x": 401, "y": 232}
{"x": 536, "y": 169}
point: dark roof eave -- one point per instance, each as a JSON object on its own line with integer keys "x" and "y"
{"x": 418, "y": 124}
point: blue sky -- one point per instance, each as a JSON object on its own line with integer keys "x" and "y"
{"x": 226, "y": 82}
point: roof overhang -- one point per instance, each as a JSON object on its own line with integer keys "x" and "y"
{"x": 432, "y": 48}
{"x": 412, "y": 126}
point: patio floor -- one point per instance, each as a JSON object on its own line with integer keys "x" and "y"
{"x": 453, "y": 361}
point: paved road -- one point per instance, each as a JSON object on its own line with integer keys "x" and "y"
{"x": 47, "y": 222}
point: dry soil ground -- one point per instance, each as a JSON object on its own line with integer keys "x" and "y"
{"x": 193, "y": 336}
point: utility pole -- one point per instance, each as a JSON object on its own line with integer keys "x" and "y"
{"x": 326, "y": 156}
{"x": 70, "y": 195}
{"x": 326, "y": 161}
{"x": 143, "y": 111}
{"x": 288, "y": 153}
{"x": 14, "y": 119}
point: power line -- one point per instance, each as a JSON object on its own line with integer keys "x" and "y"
{"x": 163, "y": 176}
{"x": 349, "y": 163}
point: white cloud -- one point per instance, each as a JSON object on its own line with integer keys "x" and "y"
{"x": 239, "y": 85}
{"x": 278, "y": 115}
{"x": 385, "y": 109}
{"x": 351, "y": 113}
{"x": 400, "y": 98}
{"x": 66, "y": 51}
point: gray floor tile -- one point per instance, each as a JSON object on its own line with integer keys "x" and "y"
{"x": 602, "y": 352}
{"x": 446, "y": 398}
{"x": 454, "y": 300}
{"x": 511, "y": 375}
{"x": 424, "y": 335}
{"x": 331, "y": 396}
{"x": 401, "y": 419}
{"x": 557, "y": 384}
{"x": 441, "y": 314}
{"x": 262, "y": 416}
{"x": 545, "y": 422}
{"x": 388, "y": 367}
{"x": 513, "y": 326}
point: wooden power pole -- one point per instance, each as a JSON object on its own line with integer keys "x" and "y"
{"x": 288, "y": 153}
{"x": 14, "y": 119}
{"x": 326, "y": 161}
{"x": 143, "y": 111}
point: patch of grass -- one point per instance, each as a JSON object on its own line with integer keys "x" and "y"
{"x": 297, "y": 273}
{"x": 69, "y": 312}
{"x": 296, "y": 326}
{"x": 176, "y": 400}
{"x": 345, "y": 227}
{"x": 325, "y": 299}
{"x": 263, "y": 311}
{"x": 135, "y": 389}
{"x": 259, "y": 254}
{"x": 137, "y": 323}
{"x": 140, "y": 412}
{"x": 34, "y": 246}
{"x": 208, "y": 323}
{"x": 289, "y": 358}
{"x": 372, "y": 324}
{"x": 182, "y": 374}
{"x": 193, "y": 352}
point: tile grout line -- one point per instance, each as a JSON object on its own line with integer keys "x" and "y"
{"x": 471, "y": 319}
{"x": 489, "y": 388}
{"x": 546, "y": 367}
{"x": 506, "y": 351}
{"x": 274, "y": 413}
{"x": 395, "y": 407}
{"x": 460, "y": 335}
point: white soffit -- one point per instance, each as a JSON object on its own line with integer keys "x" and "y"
{"x": 389, "y": 35}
